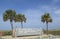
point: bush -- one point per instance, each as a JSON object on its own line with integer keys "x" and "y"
{"x": 54, "y": 32}
{"x": 7, "y": 33}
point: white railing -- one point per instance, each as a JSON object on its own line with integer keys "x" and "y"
{"x": 27, "y": 31}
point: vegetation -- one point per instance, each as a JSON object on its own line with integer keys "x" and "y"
{"x": 7, "y": 33}
{"x": 53, "y": 32}
{"x": 20, "y": 18}
{"x": 9, "y": 15}
{"x": 46, "y": 18}
{"x": 12, "y": 16}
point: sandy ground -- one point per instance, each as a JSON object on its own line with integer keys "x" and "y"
{"x": 27, "y": 37}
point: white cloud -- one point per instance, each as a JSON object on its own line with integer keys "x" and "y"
{"x": 46, "y": 8}
{"x": 32, "y": 12}
{"x": 50, "y": 9}
{"x": 57, "y": 11}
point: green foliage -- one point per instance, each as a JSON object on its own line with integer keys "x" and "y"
{"x": 7, "y": 33}
{"x": 20, "y": 18}
{"x": 9, "y": 14}
{"x": 57, "y": 32}
{"x": 46, "y": 18}
{"x": 53, "y": 32}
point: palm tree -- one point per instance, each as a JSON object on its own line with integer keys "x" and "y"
{"x": 9, "y": 15}
{"x": 20, "y": 18}
{"x": 46, "y": 18}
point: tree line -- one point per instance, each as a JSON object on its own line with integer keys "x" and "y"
{"x": 11, "y": 15}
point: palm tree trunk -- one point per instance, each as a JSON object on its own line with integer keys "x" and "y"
{"x": 21, "y": 25}
{"x": 12, "y": 27}
{"x": 47, "y": 27}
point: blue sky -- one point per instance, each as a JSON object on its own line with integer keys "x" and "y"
{"x": 33, "y": 10}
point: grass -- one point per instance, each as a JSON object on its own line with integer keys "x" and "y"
{"x": 54, "y": 32}
{"x": 6, "y": 32}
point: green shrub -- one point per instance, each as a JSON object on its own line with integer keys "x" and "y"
{"x": 7, "y": 33}
{"x": 54, "y": 32}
